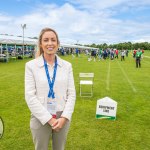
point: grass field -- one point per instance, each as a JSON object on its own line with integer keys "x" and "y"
{"x": 119, "y": 80}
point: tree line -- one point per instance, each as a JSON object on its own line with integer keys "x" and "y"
{"x": 125, "y": 45}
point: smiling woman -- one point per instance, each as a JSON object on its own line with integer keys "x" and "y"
{"x": 49, "y": 93}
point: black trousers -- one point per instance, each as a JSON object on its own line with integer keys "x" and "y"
{"x": 138, "y": 62}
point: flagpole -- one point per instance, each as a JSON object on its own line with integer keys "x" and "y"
{"x": 23, "y": 27}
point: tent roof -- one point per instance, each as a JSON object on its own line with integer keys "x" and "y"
{"x": 29, "y": 41}
{"x": 17, "y": 40}
{"x": 75, "y": 46}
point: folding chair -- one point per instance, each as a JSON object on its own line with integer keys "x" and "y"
{"x": 86, "y": 79}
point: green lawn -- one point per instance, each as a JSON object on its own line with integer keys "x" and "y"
{"x": 119, "y": 80}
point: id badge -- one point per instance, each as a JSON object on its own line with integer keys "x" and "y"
{"x": 51, "y": 107}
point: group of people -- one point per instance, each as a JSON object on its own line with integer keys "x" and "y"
{"x": 107, "y": 54}
{"x": 114, "y": 53}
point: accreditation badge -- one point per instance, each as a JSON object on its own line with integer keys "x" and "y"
{"x": 51, "y": 107}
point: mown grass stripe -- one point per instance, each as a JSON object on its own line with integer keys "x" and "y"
{"x": 147, "y": 56}
{"x": 126, "y": 76}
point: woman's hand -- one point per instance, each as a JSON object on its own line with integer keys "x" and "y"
{"x": 52, "y": 121}
{"x": 59, "y": 124}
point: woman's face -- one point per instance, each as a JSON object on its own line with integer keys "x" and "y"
{"x": 49, "y": 42}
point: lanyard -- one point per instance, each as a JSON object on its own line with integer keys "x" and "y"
{"x": 51, "y": 83}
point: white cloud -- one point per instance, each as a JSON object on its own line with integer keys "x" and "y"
{"x": 94, "y": 4}
{"x": 93, "y": 24}
{"x": 107, "y": 4}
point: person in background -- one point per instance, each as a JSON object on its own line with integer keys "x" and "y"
{"x": 116, "y": 53}
{"x": 122, "y": 53}
{"x": 134, "y": 52}
{"x": 142, "y": 53}
{"x": 112, "y": 54}
{"x": 100, "y": 54}
{"x": 127, "y": 52}
{"x": 49, "y": 93}
{"x": 77, "y": 52}
{"x": 138, "y": 58}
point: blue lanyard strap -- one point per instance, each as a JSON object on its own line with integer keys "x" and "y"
{"x": 51, "y": 83}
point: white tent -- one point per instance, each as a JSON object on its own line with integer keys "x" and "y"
{"x": 17, "y": 40}
{"x": 76, "y": 46}
{"x": 30, "y": 41}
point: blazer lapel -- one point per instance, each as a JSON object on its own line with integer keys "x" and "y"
{"x": 40, "y": 61}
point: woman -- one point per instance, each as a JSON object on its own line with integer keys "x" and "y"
{"x": 49, "y": 93}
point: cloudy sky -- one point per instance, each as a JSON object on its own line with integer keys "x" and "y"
{"x": 79, "y": 21}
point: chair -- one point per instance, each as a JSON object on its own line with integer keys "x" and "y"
{"x": 86, "y": 79}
